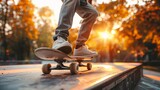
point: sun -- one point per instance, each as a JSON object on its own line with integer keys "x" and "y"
{"x": 104, "y": 35}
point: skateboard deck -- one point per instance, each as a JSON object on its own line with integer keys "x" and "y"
{"x": 45, "y": 53}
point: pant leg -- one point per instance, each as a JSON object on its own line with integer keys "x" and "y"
{"x": 89, "y": 15}
{"x": 67, "y": 12}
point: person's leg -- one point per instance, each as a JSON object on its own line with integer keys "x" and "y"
{"x": 67, "y": 12}
{"x": 65, "y": 22}
{"x": 89, "y": 15}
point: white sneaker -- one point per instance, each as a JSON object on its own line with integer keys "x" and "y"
{"x": 62, "y": 45}
{"x": 84, "y": 51}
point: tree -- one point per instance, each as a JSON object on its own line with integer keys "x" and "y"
{"x": 111, "y": 14}
{"x": 23, "y": 31}
{"x": 143, "y": 27}
{"x": 3, "y": 19}
{"x": 46, "y": 29}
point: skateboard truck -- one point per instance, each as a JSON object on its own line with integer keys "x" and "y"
{"x": 80, "y": 63}
{"x": 60, "y": 64}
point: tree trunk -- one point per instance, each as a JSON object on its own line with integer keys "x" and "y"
{"x": 3, "y": 30}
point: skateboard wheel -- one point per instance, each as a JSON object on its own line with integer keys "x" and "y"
{"x": 89, "y": 66}
{"x": 46, "y": 68}
{"x": 74, "y": 68}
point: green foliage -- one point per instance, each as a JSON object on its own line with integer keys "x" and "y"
{"x": 46, "y": 29}
{"x": 3, "y": 24}
{"x": 20, "y": 29}
{"x": 45, "y": 36}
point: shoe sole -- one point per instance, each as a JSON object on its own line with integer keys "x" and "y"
{"x": 85, "y": 55}
{"x": 65, "y": 49}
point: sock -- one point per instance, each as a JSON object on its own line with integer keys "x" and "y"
{"x": 78, "y": 46}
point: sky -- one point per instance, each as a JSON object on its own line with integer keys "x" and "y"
{"x": 55, "y": 6}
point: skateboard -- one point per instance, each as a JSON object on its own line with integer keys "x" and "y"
{"x": 59, "y": 57}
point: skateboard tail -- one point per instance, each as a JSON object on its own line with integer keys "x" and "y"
{"x": 45, "y": 53}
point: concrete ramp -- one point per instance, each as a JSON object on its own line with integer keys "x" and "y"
{"x": 103, "y": 76}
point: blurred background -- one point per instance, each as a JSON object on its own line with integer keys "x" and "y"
{"x": 126, "y": 30}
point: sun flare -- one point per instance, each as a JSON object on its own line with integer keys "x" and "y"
{"x": 106, "y": 35}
